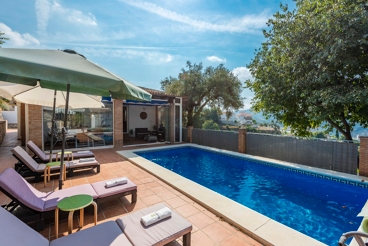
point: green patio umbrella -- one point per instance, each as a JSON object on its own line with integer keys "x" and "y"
{"x": 64, "y": 70}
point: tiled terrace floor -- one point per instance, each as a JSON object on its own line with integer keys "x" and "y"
{"x": 208, "y": 229}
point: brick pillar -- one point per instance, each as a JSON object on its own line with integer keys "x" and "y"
{"x": 34, "y": 121}
{"x": 190, "y": 134}
{"x": 22, "y": 122}
{"x": 172, "y": 123}
{"x": 118, "y": 123}
{"x": 363, "y": 156}
{"x": 241, "y": 140}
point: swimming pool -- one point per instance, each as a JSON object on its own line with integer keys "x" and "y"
{"x": 306, "y": 201}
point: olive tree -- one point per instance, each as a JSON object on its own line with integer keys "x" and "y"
{"x": 215, "y": 87}
{"x": 312, "y": 69}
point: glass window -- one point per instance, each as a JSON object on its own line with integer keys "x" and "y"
{"x": 88, "y": 127}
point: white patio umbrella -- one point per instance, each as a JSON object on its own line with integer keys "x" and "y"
{"x": 45, "y": 97}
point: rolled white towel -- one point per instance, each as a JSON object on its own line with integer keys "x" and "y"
{"x": 116, "y": 182}
{"x": 84, "y": 151}
{"x": 154, "y": 217}
{"x": 86, "y": 159}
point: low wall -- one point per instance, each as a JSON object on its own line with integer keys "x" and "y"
{"x": 3, "y": 128}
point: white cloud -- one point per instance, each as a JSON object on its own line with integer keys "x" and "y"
{"x": 45, "y": 11}
{"x": 153, "y": 57}
{"x": 16, "y": 39}
{"x": 216, "y": 59}
{"x": 42, "y": 14}
{"x": 242, "y": 73}
{"x": 245, "y": 24}
{"x": 74, "y": 16}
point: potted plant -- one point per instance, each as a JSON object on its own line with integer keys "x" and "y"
{"x": 131, "y": 132}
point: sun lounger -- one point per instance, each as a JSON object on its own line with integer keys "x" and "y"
{"x": 28, "y": 167}
{"x": 42, "y": 157}
{"x": 23, "y": 194}
{"x": 14, "y": 232}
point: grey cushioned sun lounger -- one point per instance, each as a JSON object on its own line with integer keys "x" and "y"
{"x": 30, "y": 167}
{"x": 42, "y": 157}
{"x": 23, "y": 194}
{"x": 110, "y": 233}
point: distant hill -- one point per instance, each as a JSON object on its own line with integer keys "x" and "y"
{"x": 260, "y": 118}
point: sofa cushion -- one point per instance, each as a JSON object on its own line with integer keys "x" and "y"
{"x": 16, "y": 233}
{"x": 107, "y": 233}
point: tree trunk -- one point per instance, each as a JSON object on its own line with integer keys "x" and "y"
{"x": 190, "y": 117}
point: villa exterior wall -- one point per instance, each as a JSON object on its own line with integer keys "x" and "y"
{"x": 35, "y": 124}
{"x": 118, "y": 123}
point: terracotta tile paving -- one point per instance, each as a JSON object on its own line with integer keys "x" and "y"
{"x": 208, "y": 229}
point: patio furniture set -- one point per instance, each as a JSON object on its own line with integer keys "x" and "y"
{"x": 149, "y": 136}
{"x": 127, "y": 230}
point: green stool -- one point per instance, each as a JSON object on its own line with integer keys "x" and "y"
{"x": 67, "y": 153}
{"x": 47, "y": 171}
{"x": 71, "y": 204}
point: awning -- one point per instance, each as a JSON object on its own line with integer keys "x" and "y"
{"x": 153, "y": 102}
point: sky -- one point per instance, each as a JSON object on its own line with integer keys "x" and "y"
{"x": 144, "y": 41}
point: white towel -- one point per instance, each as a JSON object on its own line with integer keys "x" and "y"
{"x": 84, "y": 151}
{"x": 86, "y": 159}
{"x": 116, "y": 182}
{"x": 154, "y": 217}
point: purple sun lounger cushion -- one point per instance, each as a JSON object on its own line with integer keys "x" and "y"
{"x": 159, "y": 233}
{"x": 21, "y": 190}
{"x": 102, "y": 191}
{"x": 25, "y": 193}
{"x": 16, "y": 233}
{"x": 23, "y": 156}
{"x": 17, "y": 187}
{"x": 107, "y": 233}
{"x": 46, "y": 157}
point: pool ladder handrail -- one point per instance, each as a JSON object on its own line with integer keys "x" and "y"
{"x": 357, "y": 236}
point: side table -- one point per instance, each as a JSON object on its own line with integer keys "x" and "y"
{"x": 47, "y": 171}
{"x": 67, "y": 153}
{"x": 71, "y": 204}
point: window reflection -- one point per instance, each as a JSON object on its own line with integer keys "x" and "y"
{"x": 94, "y": 123}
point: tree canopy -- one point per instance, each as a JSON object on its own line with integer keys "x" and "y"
{"x": 313, "y": 67}
{"x": 215, "y": 87}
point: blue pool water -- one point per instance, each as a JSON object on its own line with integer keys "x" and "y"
{"x": 320, "y": 208}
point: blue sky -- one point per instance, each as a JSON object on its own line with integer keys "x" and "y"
{"x": 144, "y": 41}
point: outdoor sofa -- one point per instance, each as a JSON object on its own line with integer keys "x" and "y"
{"x": 127, "y": 230}
{"x": 25, "y": 195}
{"x": 28, "y": 167}
{"x": 42, "y": 157}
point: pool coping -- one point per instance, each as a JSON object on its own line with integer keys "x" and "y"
{"x": 256, "y": 225}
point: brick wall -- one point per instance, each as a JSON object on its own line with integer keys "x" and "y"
{"x": 363, "y": 157}
{"x": 190, "y": 134}
{"x": 35, "y": 124}
{"x": 118, "y": 123}
{"x": 241, "y": 140}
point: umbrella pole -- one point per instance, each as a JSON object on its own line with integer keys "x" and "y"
{"x": 64, "y": 136}
{"x": 52, "y": 127}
